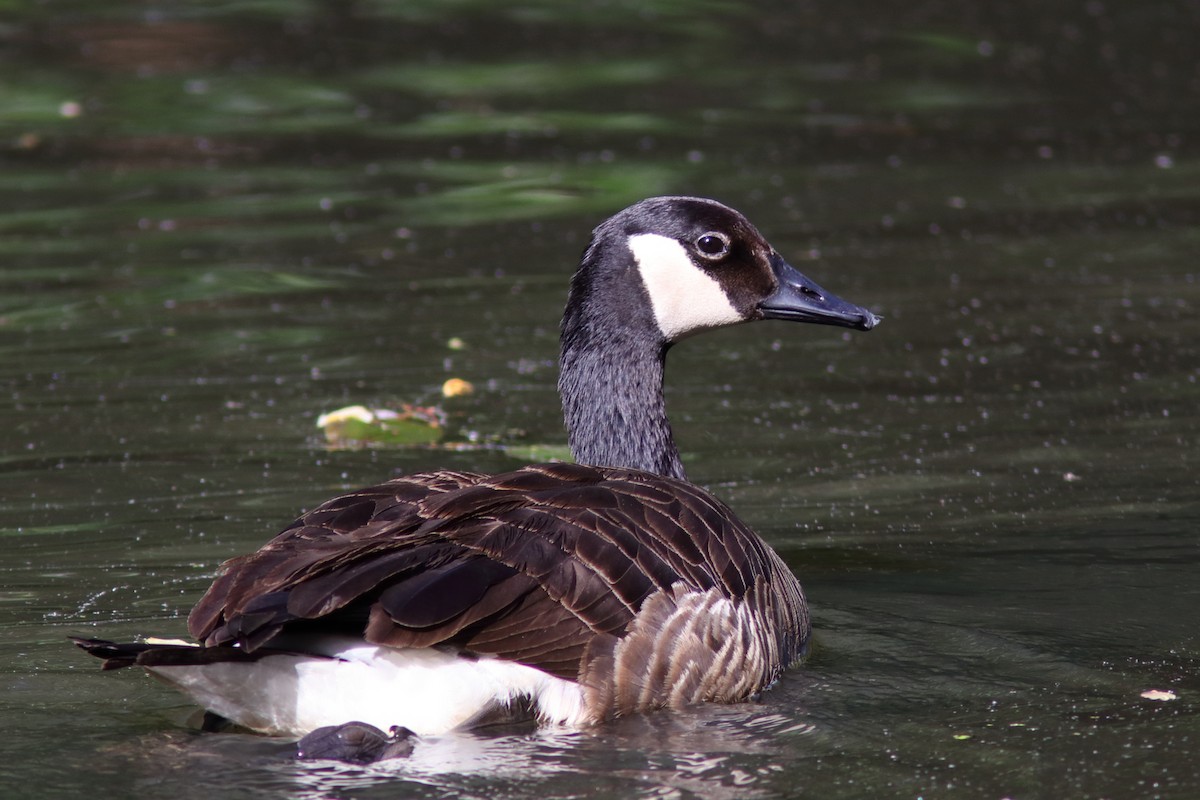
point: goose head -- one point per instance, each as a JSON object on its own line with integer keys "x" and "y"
{"x": 689, "y": 264}
{"x": 659, "y": 271}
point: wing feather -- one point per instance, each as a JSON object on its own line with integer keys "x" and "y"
{"x": 547, "y": 565}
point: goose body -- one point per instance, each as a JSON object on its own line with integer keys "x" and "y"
{"x": 568, "y": 593}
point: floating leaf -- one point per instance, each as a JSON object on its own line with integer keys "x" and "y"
{"x": 357, "y": 426}
{"x": 457, "y": 387}
{"x": 538, "y": 452}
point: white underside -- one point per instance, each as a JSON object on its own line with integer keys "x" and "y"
{"x": 427, "y": 691}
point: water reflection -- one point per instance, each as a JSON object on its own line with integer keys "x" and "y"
{"x": 709, "y": 753}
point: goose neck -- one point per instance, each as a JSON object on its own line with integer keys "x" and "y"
{"x": 612, "y": 393}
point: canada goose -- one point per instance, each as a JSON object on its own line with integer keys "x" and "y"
{"x": 568, "y": 593}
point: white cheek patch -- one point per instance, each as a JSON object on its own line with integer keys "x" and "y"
{"x": 685, "y": 298}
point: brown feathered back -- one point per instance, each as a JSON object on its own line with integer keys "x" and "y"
{"x": 548, "y": 565}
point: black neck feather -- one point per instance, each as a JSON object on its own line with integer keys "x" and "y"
{"x": 611, "y": 378}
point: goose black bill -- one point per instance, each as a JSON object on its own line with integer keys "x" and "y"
{"x": 799, "y": 298}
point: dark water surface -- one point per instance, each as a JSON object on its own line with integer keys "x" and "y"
{"x": 218, "y": 220}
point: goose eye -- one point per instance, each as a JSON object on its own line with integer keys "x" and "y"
{"x": 713, "y": 245}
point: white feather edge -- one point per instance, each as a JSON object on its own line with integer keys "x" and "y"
{"x": 427, "y": 691}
